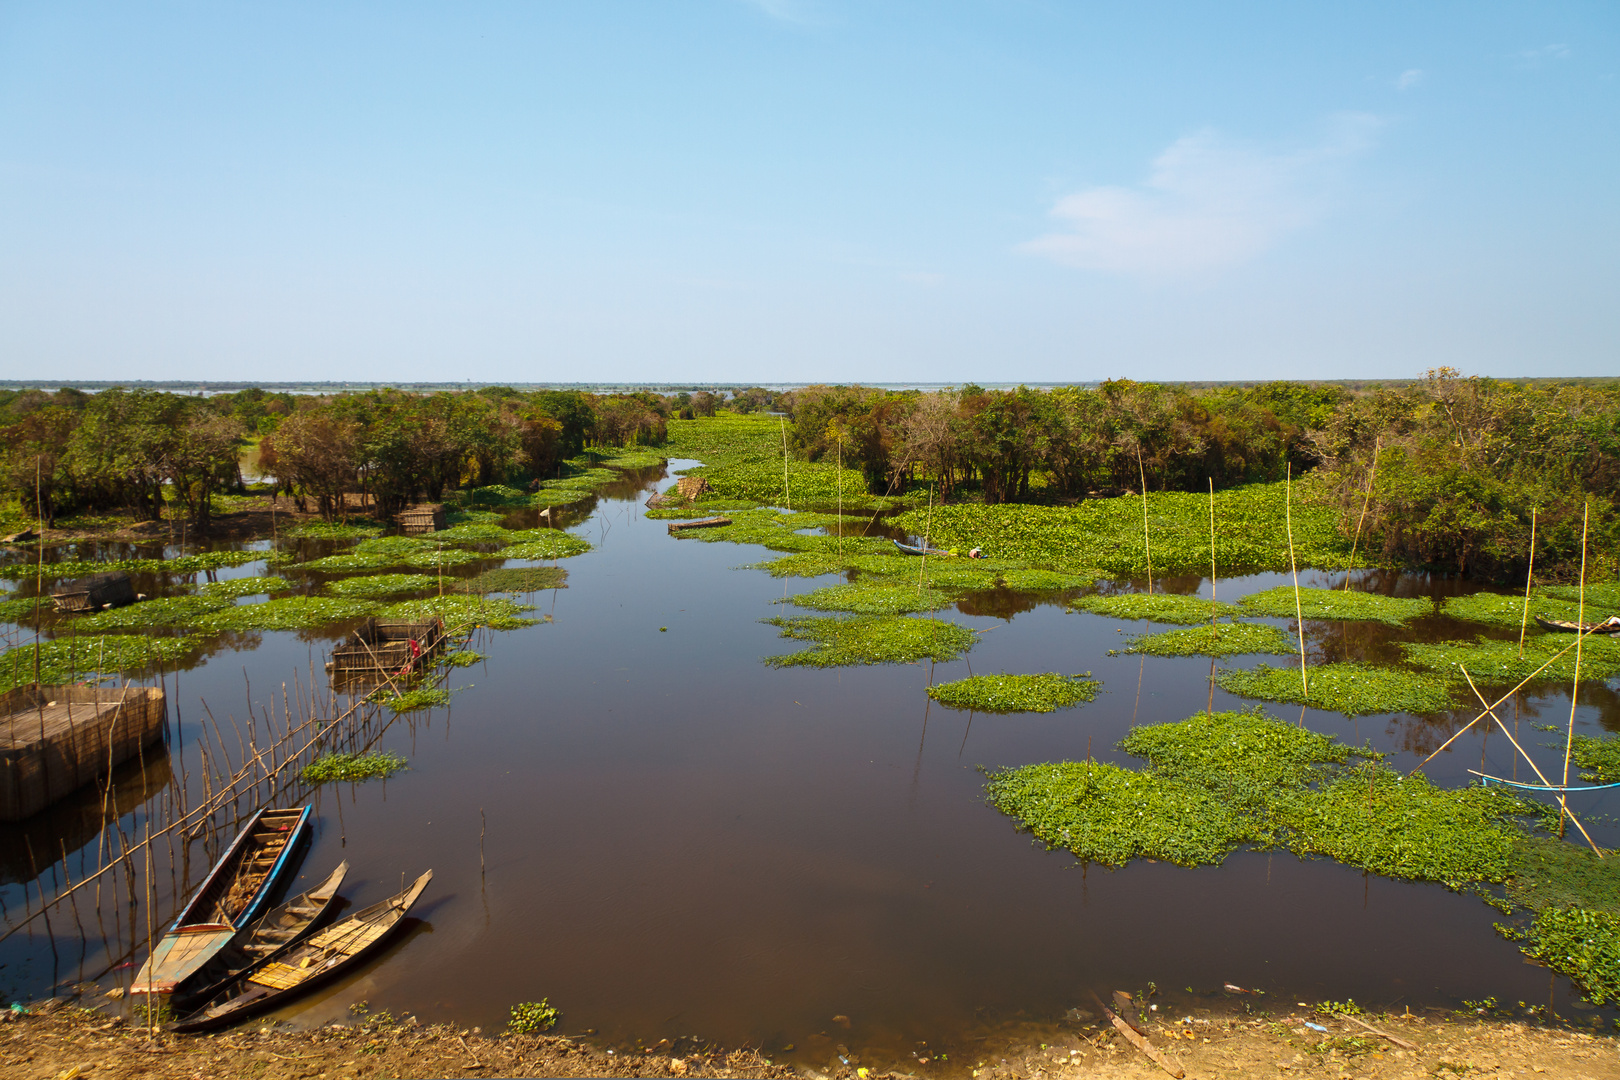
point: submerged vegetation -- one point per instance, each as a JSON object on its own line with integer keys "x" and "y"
{"x": 1355, "y": 689}
{"x": 1016, "y": 693}
{"x": 871, "y": 639}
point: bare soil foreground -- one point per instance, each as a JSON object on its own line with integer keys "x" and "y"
{"x": 66, "y": 1042}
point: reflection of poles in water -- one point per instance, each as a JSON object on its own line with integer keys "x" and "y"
{"x": 965, "y": 732}
{"x": 1529, "y": 576}
{"x": 916, "y": 770}
{"x": 1141, "y": 666}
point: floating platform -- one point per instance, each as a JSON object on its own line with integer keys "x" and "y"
{"x": 56, "y": 739}
{"x": 95, "y": 593}
{"x": 386, "y": 648}
{"x": 417, "y": 520}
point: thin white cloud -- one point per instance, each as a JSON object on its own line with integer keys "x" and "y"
{"x": 1208, "y": 203}
{"x": 1408, "y": 78}
{"x": 789, "y": 11}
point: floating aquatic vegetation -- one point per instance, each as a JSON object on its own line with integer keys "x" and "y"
{"x": 515, "y": 579}
{"x": 1336, "y": 604}
{"x": 1354, "y": 689}
{"x": 1016, "y": 693}
{"x": 380, "y": 585}
{"x": 350, "y": 563}
{"x": 872, "y": 598}
{"x": 163, "y": 611}
{"x": 1505, "y": 609}
{"x": 1604, "y": 597}
{"x": 353, "y": 768}
{"x": 1107, "y": 533}
{"x": 286, "y": 613}
{"x": 237, "y": 588}
{"x": 704, "y": 505}
{"x": 1497, "y": 662}
{"x": 463, "y": 658}
{"x": 497, "y": 495}
{"x": 359, "y": 529}
{"x": 70, "y": 659}
{"x": 560, "y": 496}
{"x": 182, "y": 564}
{"x": 473, "y": 534}
{"x": 1600, "y": 757}
{"x": 803, "y": 564}
{"x": 536, "y": 544}
{"x": 460, "y": 610}
{"x": 396, "y": 546}
{"x": 742, "y": 459}
{"x": 1155, "y": 607}
{"x": 632, "y": 457}
{"x": 422, "y": 697}
{"x": 471, "y": 517}
{"x": 871, "y": 639}
{"x": 1222, "y": 781}
{"x": 1222, "y": 639}
{"x": 1583, "y": 944}
{"x": 16, "y": 610}
{"x": 440, "y": 557}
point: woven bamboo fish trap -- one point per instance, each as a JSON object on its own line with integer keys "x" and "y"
{"x": 691, "y": 487}
{"x": 95, "y": 593}
{"x": 55, "y": 739}
{"x": 426, "y": 518}
{"x": 383, "y": 649}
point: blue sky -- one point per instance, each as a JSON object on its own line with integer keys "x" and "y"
{"x": 786, "y": 190}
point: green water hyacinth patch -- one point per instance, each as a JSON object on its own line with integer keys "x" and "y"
{"x": 1507, "y": 610}
{"x": 380, "y": 585}
{"x": 286, "y": 613}
{"x": 871, "y": 639}
{"x": 1497, "y": 662}
{"x": 1336, "y": 604}
{"x": 16, "y": 610}
{"x": 164, "y": 611}
{"x": 330, "y": 530}
{"x": 71, "y": 659}
{"x": 441, "y": 557}
{"x": 1355, "y": 689}
{"x": 395, "y": 546}
{"x": 515, "y": 579}
{"x": 533, "y": 545}
{"x": 418, "y": 700}
{"x": 352, "y": 768}
{"x": 349, "y": 563}
{"x": 457, "y": 610}
{"x": 1222, "y": 639}
{"x": 183, "y": 564}
{"x": 1583, "y": 944}
{"x": 1154, "y": 607}
{"x": 473, "y": 534}
{"x": 237, "y": 588}
{"x": 1604, "y": 597}
{"x": 1016, "y": 693}
{"x": 871, "y": 598}
{"x": 1600, "y": 757}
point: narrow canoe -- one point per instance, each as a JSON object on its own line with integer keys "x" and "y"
{"x": 702, "y": 523}
{"x": 273, "y": 982}
{"x": 235, "y": 893}
{"x": 274, "y": 933}
{"x": 1559, "y": 626}
{"x": 918, "y": 549}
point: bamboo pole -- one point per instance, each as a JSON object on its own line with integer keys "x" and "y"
{"x": 787, "y": 496}
{"x": 928, "y": 531}
{"x": 1212, "y": 605}
{"x": 1378, "y": 444}
{"x": 1530, "y": 574}
{"x": 1147, "y": 545}
{"x": 1580, "y": 620}
{"x": 1299, "y": 617}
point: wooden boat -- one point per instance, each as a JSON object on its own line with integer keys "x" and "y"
{"x": 272, "y": 934}
{"x": 235, "y": 893}
{"x": 702, "y": 523}
{"x": 1611, "y": 625}
{"x": 95, "y": 593}
{"x": 275, "y": 981}
{"x": 918, "y": 549}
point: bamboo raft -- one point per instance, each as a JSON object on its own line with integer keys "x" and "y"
{"x": 386, "y": 648}
{"x": 55, "y": 739}
{"x": 703, "y": 523}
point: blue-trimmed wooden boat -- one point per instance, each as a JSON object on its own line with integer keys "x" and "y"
{"x": 234, "y": 894}
{"x": 918, "y": 549}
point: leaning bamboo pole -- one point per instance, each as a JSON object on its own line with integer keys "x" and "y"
{"x": 1366, "y": 500}
{"x": 1147, "y": 545}
{"x": 1530, "y": 576}
{"x": 1580, "y": 620}
{"x": 1299, "y": 617}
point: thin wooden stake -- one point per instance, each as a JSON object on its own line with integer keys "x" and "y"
{"x": 1529, "y": 576}
{"x": 1366, "y": 500}
{"x": 1299, "y": 617}
{"x": 1147, "y": 545}
{"x": 787, "y": 496}
{"x": 1575, "y": 684}
{"x": 1212, "y": 604}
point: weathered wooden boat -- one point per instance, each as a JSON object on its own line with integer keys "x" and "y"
{"x": 273, "y": 982}
{"x": 235, "y": 893}
{"x": 701, "y": 523}
{"x": 274, "y": 933}
{"x": 1611, "y": 625}
{"x": 95, "y": 593}
{"x": 918, "y": 549}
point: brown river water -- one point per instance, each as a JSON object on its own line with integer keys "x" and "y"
{"x": 679, "y": 840}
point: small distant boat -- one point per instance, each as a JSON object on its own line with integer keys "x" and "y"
{"x": 274, "y": 981}
{"x": 235, "y": 893}
{"x": 276, "y": 932}
{"x": 918, "y": 549}
{"x": 1611, "y": 625}
{"x": 702, "y": 523}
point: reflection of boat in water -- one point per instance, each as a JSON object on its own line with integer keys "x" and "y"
{"x": 276, "y": 932}
{"x": 325, "y": 956}
{"x": 235, "y": 892}
{"x": 1611, "y": 625}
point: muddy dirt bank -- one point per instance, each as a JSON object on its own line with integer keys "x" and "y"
{"x": 51, "y": 1041}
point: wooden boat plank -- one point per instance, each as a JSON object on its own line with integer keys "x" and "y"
{"x": 701, "y": 523}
